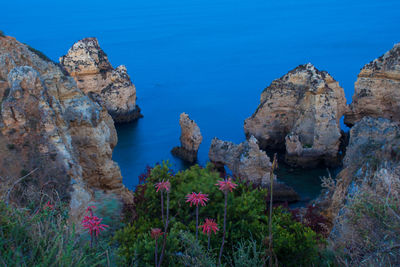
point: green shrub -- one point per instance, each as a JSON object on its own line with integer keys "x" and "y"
{"x": 248, "y": 254}
{"x": 294, "y": 244}
{"x": 2, "y": 34}
{"x": 39, "y": 53}
{"x": 246, "y": 219}
{"x": 194, "y": 254}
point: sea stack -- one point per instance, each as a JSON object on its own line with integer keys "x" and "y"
{"x": 87, "y": 63}
{"x": 300, "y": 112}
{"x": 377, "y": 89}
{"x": 190, "y": 139}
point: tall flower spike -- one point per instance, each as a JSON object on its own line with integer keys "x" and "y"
{"x": 197, "y": 198}
{"x": 163, "y": 185}
{"x": 209, "y": 226}
{"x": 226, "y": 185}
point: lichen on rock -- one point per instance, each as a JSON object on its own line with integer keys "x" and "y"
{"x": 300, "y": 112}
{"x": 93, "y": 73}
{"x": 377, "y": 89}
{"x": 190, "y": 139}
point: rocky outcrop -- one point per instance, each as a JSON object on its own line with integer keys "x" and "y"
{"x": 377, "y": 89}
{"x": 362, "y": 202}
{"x": 87, "y": 63}
{"x": 374, "y": 145}
{"x": 190, "y": 139}
{"x": 52, "y": 131}
{"x": 300, "y": 112}
{"x": 248, "y": 162}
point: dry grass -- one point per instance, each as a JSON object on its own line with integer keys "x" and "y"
{"x": 367, "y": 229}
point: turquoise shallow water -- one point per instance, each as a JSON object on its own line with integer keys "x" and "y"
{"x": 210, "y": 59}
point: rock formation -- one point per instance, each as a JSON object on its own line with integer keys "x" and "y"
{"x": 362, "y": 202}
{"x": 190, "y": 139}
{"x": 52, "y": 131}
{"x": 374, "y": 146}
{"x": 87, "y": 63}
{"x": 300, "y": 112}
{"x": 377, "y": 89}
{"x": 248, "y": 162}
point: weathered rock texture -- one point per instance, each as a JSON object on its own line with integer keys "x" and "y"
{"x": 248, "y": 162}
{"x": 190, "y": 139}
{"x": 300, "y": 112}
{"x": 362, "y": 203}
{"x": 49, "y": 126}
{"x": 93, "y": 73}
{"x": 374, "y": 146}
{"x": 377, "y": 89}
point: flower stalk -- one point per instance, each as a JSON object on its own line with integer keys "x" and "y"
{"x": 225, "y": 186}
{"x": 196, "y": 199}
{"x": 163, "y": 186}
{"x": 270, "y": 247}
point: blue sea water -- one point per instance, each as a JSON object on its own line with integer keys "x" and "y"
{"x": 209, "y": 58}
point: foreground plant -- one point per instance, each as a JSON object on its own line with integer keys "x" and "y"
{"x": 155, "y": 234}
{"x": 225, "y": 186}
{"x": 196, "y": 199}
{"x": 34, "y": 236}
{"x": 93, "y": 224}
{"x": 208, "y": 227}
{"x": 163, "y": 186}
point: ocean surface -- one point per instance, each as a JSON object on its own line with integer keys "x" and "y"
{"x": 209, "y": 58}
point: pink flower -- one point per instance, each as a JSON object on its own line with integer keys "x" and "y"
{"x": 197, "y": 198}
{"x": 208, "y": 226}
{"x": 48, "y": 206}
{"x": 93, "y": 223}
{"x": 156, "y": 233}
{"x": 163, "y": 185}
{"x": 226, "y": 185}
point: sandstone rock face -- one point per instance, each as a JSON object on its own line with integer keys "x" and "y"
{"x": 49, "y": 126}
{"x": 377, "y": 89}
{"x": 190, "y": 139}
{"x": 245, "y": 160}
{"x": 362, "y": 203}
{"x": 300, "y": 112}
{"x": 93, "y": 73}
{"x": 248, "y": 162}
{"x": 374, "y": 149}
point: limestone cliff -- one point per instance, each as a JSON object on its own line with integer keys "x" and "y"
{"x": 49, "y": 126}
{"x": 248, "y": 162}
{"x": 87, "y": 63}
{"x": 377, "y": 89}
{"x": 362, "y": 203}
{"x": 190, "y": 139}
{"x": 374, "y": 147}
{"x": 300, "y": 112}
